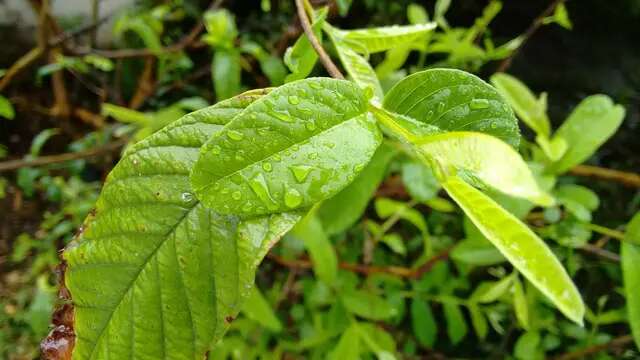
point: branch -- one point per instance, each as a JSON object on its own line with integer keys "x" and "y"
{"x": 398, "y": 271}
{"x": 581, "y": 354}
{"x": 328, "y": 64}
{"x": 54, "y": 159}
{"x": 535, "y": 25}
{"x": 625, "y": 178}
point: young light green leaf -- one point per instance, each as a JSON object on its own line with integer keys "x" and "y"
{"x": 488, "y": 159}
{"x": 528, "y": 347}
{"x": 221, "y": 28}
{"x": 368, "y": 305}
{"x": 590, "y": 124}
{"x": 419, "y": 180}
{"x": 456, "y": 324}
{"x": 300, "y": 144}
{"x": 395, "y": 243}
{"x": 348, "y": 347}
{"x": 258, "y": 309}
{"x": 526, "y": 251}
{"x": 553, "y": 148}
{"x": 226, "y": 71}
{"x": 488, "y": 292}
{"x": 423, "y": 323}
{"x": 125, "y": 115}
{"x": 6, "y": 109}
{"x": 346, "y": 207}
{"x": 560, "y": 16}
{"x": 323, "y": 256}
{"x": 440, "y": 9}
{"x": 454, "y": 100}
{"x": 417, "y": 14}
{"x": 630, "y": 259}
{"x": 387, "y": 208}
{"x": 358, "y": 68}
{"x": 387, "y": 37}
{"x": 529, "y": 109}
{"x": 301, "y": 57}
{"x": 153, "y": 273}
{"x": 477, "y": 252}
{"x": 520, "y": 304}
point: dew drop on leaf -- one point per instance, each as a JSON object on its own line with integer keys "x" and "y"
{"x": 259, "y": 186}
{"x": 315, "y": 85}
{"x": 300, "y": 172}
{"x": 187, "y": 197}
{"x": 215, "y": 149}
{"x": 441, "y": 106}
{"x": 235, "y": 135}
{"x": 267, "y": 167}
{"x": 294, "y": 100}
{"x": 477, "y": 104}
{"x": 292, "y": 198}
{"x": 236, "y": 195}
{"x": 310, "y": 125}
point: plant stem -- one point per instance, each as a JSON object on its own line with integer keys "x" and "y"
{"x": 383, "y": 116}
{"x": 606, "y": 231}
{"x": 326, "y": 61}
{"x": 622, "y": 177}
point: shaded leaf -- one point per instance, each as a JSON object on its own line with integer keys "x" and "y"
{"x": 368, "y": 305}
{"x": 631, "y": 275}
{"x": 419, "y": 180}
{"x": 456, "y": 324}
{"x": 323, "y": 256}
{"x": 226, "y": 71}
{"x": 6, "y": 109}
{"x": 301, "y": 57}
{"x": 520, "y": 304}
{"x": 423, "y": 324}
{"x": 478, "y": 321}
{"x": 258, "y": 309}
{"x": 348, "y": 347}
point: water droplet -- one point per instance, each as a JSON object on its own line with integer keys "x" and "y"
{"x": 312, "y": 156}
{"x": 259, "y": 186}
{"x": 429, "y": 114}
{"x": 224, "y": 191}
{"x": 236, "y": 195}
{"x": 235, "y": 135}
{"x": 187, "y": 197}
{"x": 294, "y": 100}
{"x": 477, "y": 104}
{"x": 358, "y": 168}
{"x": 310, "y": 125}
{"x": 267, "y": 167}
{"x": 330, "y": 145}
{"x": 292, "y": 198}
{"x": 282, "y": 116}
{"x": 215, "y": 149}
{"x": 239, "y": 157}
{"x": 441, "y": 106}
{"x": 276, "y": 157}
{"x": 247, "y": 207}
{"x": 494, "y": 125}
{"x": 253, "y": 116}
{"x": 315, "y": 85}
{"x": 300, "y": 172}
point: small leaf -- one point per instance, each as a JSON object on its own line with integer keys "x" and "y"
{"x": 520, "y": 304}
{"x": 395, "y": 243}
{"x": 125, "y": 115}
{"x": 348, "y": 347}
{"x": 454, "y": 100}
{"x": 387, "y": 37}
{"x": 258, "y": 309}
{"x": 456, "y": 324}
{"x": 440, "y": 9}
{"x": 528, "y": 347}
{"x": 368, "y": 305}
{"x": 488, "y": 292}
{"x": 590, "y": 124}
{"x": 341, "y": 211}
{"x": 423, "y": 324}
{"x": 6, "y": 109}
{"x": 387, "y": 208}
{"x": 221, "y": 28}
{"x": 301, "y": 57}
{"x": 488, "y": 159}
{"x": 323, "y": 256}
{"x": 478, "y": 321}
{"x": 357, "y": 67}
{"x": 419, "y": 180}
{"x": 300, "y": 144}
{"x": 528, "y": 108}
{"x": 630, "y": 260}
{"x": 225, "y": 70}
{"x": 417, "y": 14}
{"x": 528, "y": 253}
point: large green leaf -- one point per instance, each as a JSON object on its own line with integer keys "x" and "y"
{"x": 301, "y": 143}
{"x": 526, "y": 251}
{"x": 155, "y": 274}
{"x": 590, "y": 124}
{"x": 387, "y": 37}
{"x": 345, "y": 208}
{"x": 527, "y": 106}
{"x": 630, "y": 271}
{"x": 454, "y": 100}
{"x": 488, "y": 159}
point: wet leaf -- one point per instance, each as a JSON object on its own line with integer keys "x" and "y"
{"x": 300, "y": 144}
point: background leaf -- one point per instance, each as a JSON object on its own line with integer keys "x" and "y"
{"x": 387, "y": 37}
{"x": 323, "y": 256}
{"x": 257, "y": 308}
{"x": 368, "y": 305}
{"x": 226, "y": 72}
{"x": 423, "y": 324}
{"x": 630, "y": 262}
{"x": 6, "y": 109}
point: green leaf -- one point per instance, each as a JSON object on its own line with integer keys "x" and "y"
{"x": 341, "y": 211}
{"x": 221, "y": 28}
{"x": 301, "y": 57}
{"x": 560, "y": 16}
{"x": 488, "y": 292}
{"x": 300, "y": 144}
{"x": 520, "y": 304}
{"x": 6, "y": 109}
{"x": 258, "y": 309}
{"x": 378, "y": 340}
{"x": 423, "y": 324}
{"x": 528, "y": 347}
{"x": 386, "y": 37}
{"x": 440, "y": 9}
{"x": 39, "y": 140}
{"x": 490, "y": 160}
{"x": 479, "y": 253}
{"x": 590, "y": 124}
{"x": 419, "y": 180}
{"x": 368, "y": 305}
{"x": 456, "y": 324}
{"x": 630, "y": 259}
{"x": 386, "y": 208}
{"x": 323, "y": 256}
{"x": 528, "y": 253}
{"x": 578, "y": 200}
{"x": 478, "y": 321}
{"x": 125, "y": 115}
{"x": 348, "y": 347}
{"x": 395, "y": 243}
{"x": 226, "y": 71}
{"x": 454, "y": 100}
{"x": 356, "y": 65}
{"x": 343, "y": 6}
{"x": 153, "y": 273}
{"x": 528, "y": 108}
{"x": 417, "y": 14}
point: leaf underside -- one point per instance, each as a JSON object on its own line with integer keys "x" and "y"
{"x": 155, "y": 274}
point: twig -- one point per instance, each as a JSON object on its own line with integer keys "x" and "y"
{"x": 535, "y": 25}
{"x": 605, "y": 254}
{"x": 622, "y": 177}
{"x": 368, "y": 269}
{"x": 328, "y": 64}
{"x": 146, "y": 85}
{"x": 21, "y": 64}
{"x": 68, "y": 35}
{"x": 580, "y": 354}
{"x": 54, "y": 159}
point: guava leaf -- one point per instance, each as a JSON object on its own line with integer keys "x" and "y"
{"x": 301, "y": 143}
{"x": 521, "y": 246}
{"x": 487, "y": 158}
{"x": 630, "y": 260}
{"x": 454, "y": 100}
{"x": 387, "y": 37}
{"x": 301, "y": 57}
{"x": 155, "y": 274}
{"x": 590, "y": 124}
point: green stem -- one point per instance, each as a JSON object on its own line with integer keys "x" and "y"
{"x": 388, "y": 121}
{"x": 606, "y": 231}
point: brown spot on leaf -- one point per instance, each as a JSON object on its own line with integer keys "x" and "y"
{"x": 229, "y": 319}
{"x": 58, "y": 345}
